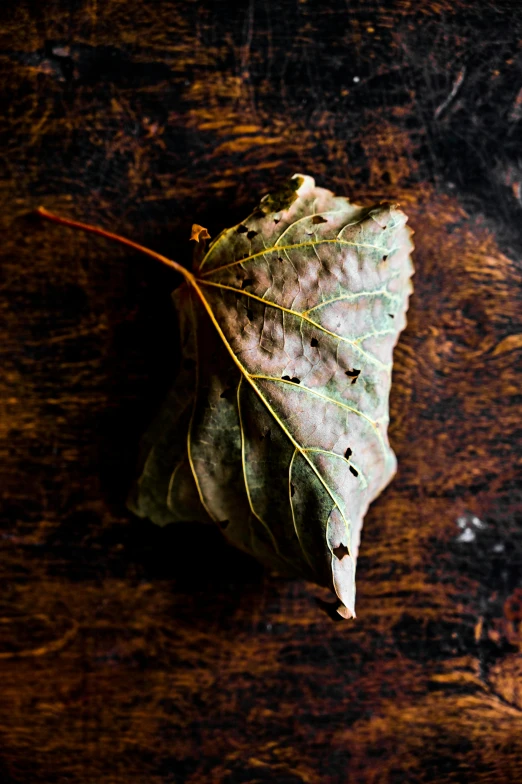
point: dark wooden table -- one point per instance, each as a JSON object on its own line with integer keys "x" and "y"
{"x": 120, "y": 662}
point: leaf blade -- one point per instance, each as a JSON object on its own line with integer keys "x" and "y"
{"x": 301, "y": 297}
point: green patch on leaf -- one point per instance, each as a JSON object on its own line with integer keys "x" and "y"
{"x": 282, "y": 198}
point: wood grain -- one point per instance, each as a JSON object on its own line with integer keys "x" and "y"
{"x": 119, "y": 660}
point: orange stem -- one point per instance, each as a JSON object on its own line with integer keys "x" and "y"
{"x": 116, "y": 238}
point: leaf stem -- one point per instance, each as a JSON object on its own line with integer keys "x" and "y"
{"x": 50, "y": 216}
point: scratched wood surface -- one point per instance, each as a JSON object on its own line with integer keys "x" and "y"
{"x": 135, "y": 654}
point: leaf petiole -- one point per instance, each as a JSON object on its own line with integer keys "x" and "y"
{"x": 50, "y": 216}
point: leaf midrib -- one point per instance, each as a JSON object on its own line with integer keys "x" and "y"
{"x": 194, "y": 283}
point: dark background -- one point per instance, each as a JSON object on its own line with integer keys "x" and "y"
{"x": 135, "y": 654}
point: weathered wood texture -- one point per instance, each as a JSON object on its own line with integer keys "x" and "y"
{"x": 134, "y": 654}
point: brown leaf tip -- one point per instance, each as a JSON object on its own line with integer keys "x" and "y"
{"x": 199, "y": 233}
{"x": 345, "y": 613}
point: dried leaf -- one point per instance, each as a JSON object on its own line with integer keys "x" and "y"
{"x": 276, "y": 428}
{"x": 199, "y": 233}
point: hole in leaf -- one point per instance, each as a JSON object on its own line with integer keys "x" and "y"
{"x": 286, "y": 378}
{"x": 314, "y": 342}
{"x": 247, "y": 282}
{"x": 318, "y": 219}
{"x": 296, "y": 380}
{"x": 276, "y": 220}
{"x": 352, "y": 373}
{"x": 384, "y": 227}
{"x": 354, "y": 380}
{"x": 391, "y": 315}
{"x": 354, "y": 471}
{"x": 340, "y": 551}
{"x": 250, "y": 314}
{"x": 252, "y": 234}
{"x": 348, "y": 453}
{"x": 189, "y": 364}
{"x": 280, "y": 259}
{"x": 384, "y": 258}
{"x": 242, "y": 229}
{"x": 223, "y": 524}
{"x": 292, "y": 490}
{"x": 229, "y": 393}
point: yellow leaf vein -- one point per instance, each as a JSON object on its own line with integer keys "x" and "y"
{"x": 293, "y": 246}
{"x": 369, "y": 356}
